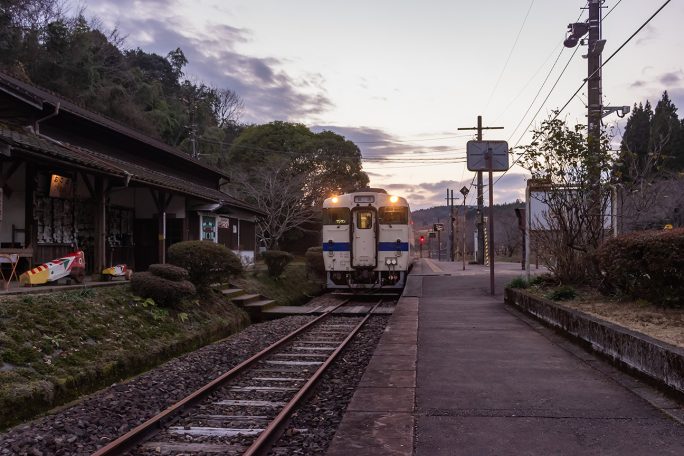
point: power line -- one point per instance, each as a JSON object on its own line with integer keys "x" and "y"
{"x": 611, "y": 56}
{"x": 591, "y": 75}
{"x": 407, "y": 140}
{"x": 510, "y": 54}
{"x": 611, "y": 10}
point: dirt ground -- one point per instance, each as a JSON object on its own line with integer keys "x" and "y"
{"x": 657, "y": 322}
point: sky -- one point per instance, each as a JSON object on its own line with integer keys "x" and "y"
{"x": 400, "y": 77}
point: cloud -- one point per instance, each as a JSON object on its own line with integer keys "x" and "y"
{"x": 269, "y": 92}
{"x": 637, "y": 84}
{"x": 672, "y": 78}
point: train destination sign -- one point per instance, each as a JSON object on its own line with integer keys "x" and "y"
{"x": 478, "y": 152}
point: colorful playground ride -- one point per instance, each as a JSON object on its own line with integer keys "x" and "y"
{"x": 119, "y": 270}
{"x": 72, "y": 265}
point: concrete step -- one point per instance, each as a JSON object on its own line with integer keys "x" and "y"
{"x": 245, "y": 299}
{"x": 262, "y": 304}
{"x": 231, "y": 293}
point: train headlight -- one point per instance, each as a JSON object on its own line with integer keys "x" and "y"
{"x": 394, "y": 261}
{"x": 394, "y": 199}
{"x": 334, "y": 200}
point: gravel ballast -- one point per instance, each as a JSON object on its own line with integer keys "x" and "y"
{"x": 101, "y": 417}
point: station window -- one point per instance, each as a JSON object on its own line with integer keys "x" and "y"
{"x": 336, "y": 216}
{"x": 364, "y": 220}
{"x": 394, "y": 215}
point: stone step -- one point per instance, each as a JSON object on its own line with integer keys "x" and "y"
{"x": 245, "y": 299}
{"x": 231, "y": 293}
{"x": 262, "y": 304}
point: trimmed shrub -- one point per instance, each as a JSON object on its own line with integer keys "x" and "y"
{"x": 518, "y": 282}
{"x": 169, "y": 271}
{"x": 314, "y": 260}
{"x": 645, "y": 265}
{"x": 276, "y": 261}
{"x": 564, "y": 293}
{"x": 164, "y": 292}
{"x": 206, "y": 262}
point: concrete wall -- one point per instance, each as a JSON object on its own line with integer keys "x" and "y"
{"x": 658, "y": 360}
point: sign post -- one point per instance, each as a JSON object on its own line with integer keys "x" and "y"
{"x": 464, "y": 191}
{"x": 489, "y": 156}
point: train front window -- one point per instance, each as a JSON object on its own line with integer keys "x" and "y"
{"x": 364, "y": 220}
{"x": 394, "y": 215}
{"x": 336, "y": 216}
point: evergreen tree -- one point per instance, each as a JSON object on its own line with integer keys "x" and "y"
{"x": 666, "y": 130}
{"x": 636, "y": 139}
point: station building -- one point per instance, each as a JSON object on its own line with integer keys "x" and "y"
{"x": 71, "y": 178}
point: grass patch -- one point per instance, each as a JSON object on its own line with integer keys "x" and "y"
{"x": 56, "y": 346}
{"x": 293, "y": 287}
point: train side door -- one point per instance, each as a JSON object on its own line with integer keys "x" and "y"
{"x": 364, "y": 242}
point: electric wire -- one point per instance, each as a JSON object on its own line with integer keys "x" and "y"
{"x": 510, "y": 54}
{"x": 611, "y": 56}
{"x": 591, "y": 75}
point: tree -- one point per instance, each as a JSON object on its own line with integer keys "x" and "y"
{"x": 279, "y": 194}
{"x": 666, "y": 133}
{"x": 307, "y": 166}
{"x": 572, "y": 227}
{"x": 227, "y": 107}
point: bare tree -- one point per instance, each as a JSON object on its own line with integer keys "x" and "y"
{"x": 279, "y": 194}
{"x": 576, "y": 190}
{"x": 227, "y": 107}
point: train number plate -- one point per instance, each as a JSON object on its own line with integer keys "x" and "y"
{"x": 364, "y": 199}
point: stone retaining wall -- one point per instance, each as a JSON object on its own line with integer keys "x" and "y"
{"x": 657, "y": 360}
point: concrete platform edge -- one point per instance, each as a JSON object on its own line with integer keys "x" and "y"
{"x": 660, "y": 362}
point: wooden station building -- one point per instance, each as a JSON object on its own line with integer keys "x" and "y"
{"x": 71, "y": 178}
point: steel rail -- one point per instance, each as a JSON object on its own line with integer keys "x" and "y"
{"x": 136, "y": 435}
{"x": 269, "y": 434}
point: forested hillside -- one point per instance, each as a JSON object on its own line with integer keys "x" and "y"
{"x": 76, "y": 58}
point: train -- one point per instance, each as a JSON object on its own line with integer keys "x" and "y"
{"x": 368, "y": 241}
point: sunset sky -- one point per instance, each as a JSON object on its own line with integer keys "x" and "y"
{"x": 399, "y": 77}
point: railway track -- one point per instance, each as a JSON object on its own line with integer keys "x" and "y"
{"x": 243, "y": 411}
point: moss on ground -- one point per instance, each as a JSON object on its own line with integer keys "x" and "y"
{"x": 294, "y": 287}
{"x": 57, "y": 346}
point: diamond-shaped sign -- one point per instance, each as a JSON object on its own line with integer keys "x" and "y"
{"x": 480, "y": 151}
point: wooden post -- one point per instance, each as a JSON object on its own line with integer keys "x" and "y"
{"x": 161, "y": 200}
{"x": 100, "y": 254}
{"x": 31, "y": 233}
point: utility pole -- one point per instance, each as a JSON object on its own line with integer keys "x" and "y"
{"x": 450, "y": 204}
{"x": 480, "y": 194}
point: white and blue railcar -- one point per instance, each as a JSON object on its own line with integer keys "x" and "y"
{"x": 367, "y": 240}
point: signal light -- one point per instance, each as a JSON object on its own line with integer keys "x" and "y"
{"x": 422, "y": 239}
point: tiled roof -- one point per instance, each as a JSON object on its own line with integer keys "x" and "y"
{"x": 40, "y": 95}
{"x": 106, "y": 164}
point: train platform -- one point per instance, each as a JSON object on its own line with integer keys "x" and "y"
{"x": 458, "y": 372}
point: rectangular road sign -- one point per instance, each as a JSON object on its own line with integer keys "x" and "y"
{"x": 438, "y": 227}
{"x": 478, "y": 152}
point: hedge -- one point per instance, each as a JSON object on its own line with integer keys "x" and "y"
{"x": 645, "y": 265}
{"x": 169, "y": 271}
{"x": 314, "y": 260}
{"x": 163, "y": 291}
{"x": 206, "y": 262}
{"x": 276, "y": 261}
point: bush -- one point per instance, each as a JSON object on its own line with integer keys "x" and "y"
{"x": 314, "y": 260}
{"x": 206, "y": 262}
{"x": 564, "y": 293}
{"x": 276, "y": 261}
{"x": 645, "y": 265}
{"x": 518, "y": 282}
{"x": 163, "y": 291}
{"x": 169, "y": 271}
